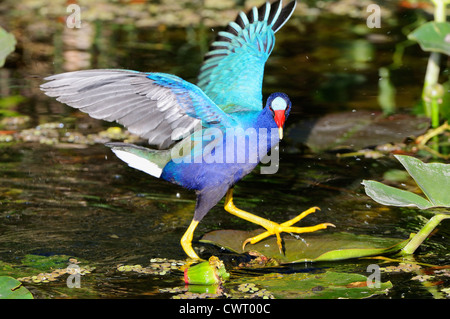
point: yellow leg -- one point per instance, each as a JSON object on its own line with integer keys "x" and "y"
{"x": 186, "y": 240}
{"x": 272, "y": 227}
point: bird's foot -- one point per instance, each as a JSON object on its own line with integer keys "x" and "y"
{"x": 275, "y": 229}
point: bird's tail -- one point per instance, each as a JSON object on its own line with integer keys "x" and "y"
{"x": 144, "y": 159}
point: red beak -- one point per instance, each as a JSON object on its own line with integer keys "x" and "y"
{"x": 279, "y": 120}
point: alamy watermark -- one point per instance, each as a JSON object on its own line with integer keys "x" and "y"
{"x": 74, "y": 279}
{"x": 74, "y": 19}
{"x": 374, "y": 279}
{"x": 374, "y": 19}
{"x": 232, "y": 145}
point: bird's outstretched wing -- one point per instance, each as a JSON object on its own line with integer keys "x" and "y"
{"x": 233, "y": 70}
{"x": 159, "y": 107}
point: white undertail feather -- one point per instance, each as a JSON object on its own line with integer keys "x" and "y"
{"x": 138, "y": 162}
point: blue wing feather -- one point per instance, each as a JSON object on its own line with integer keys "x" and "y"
{"x": 233, "y": 71}
{"x": 192, "y": 100}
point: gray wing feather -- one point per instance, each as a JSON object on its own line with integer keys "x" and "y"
{"x": 128, "y": 97}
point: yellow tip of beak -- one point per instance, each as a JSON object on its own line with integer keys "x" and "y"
{"x": 280, "y": 132}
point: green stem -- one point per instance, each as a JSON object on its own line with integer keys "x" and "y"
{"x": 433, "y": 69}
{"x": 435, "y": 113}
{"x": 439, "y": 10}
{"x": 431, "y": 78}
{"x": 435, "y": 94}
{"x": 426, "y": 230}
{"x": 435, "y": 122}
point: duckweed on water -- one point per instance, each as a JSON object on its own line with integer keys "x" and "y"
{"x": 242, "y": 291}
{"x": 56, "y": 133}
{"x": 198, "y": 292}
{"x": 248, "y": 288}
{"x": 158, "y": 266}
{"x": 251, "y": 291}
{"x": 46, "y": 277}
{"x": 402, "y": 267}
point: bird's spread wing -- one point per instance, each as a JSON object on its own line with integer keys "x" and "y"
{"x": 233, "y": 69}
{"x": 159, "y": 107}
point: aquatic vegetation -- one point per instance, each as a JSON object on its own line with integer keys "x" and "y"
{"x": 158, "y": 266}
{"x": 11, "y": 288}
{"x": 38, "y": 270}
{"x": 7, "y": 45}
{"x": 211, "y": 272}
{"x": 434, "y": 181}
{"x": 309, "y": 248}
{"x": 358, "y": 130}
{"x": 434, "y": 37}
{"x": 319, "y": 285}
{"x": 59, "y": 134}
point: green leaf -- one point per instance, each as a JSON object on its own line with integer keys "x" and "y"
{"x": 433, "y": 36}
{"x": 311, "y": 247}
{"x": 11, "y": 288}
{"x": 432, "y": 178}
{"x": 391, "y": 196}
{"x": 7, "y": 45}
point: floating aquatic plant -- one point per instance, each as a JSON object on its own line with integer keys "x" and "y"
{"x": 312, "y": 248}
{"x": 206, "y": 273}
{"x": 318, "y": 285}
{"x": 434, "y": 181}
{"x": 11, "y": 288}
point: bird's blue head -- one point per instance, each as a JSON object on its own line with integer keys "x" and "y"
{"x": 280, "y": 106}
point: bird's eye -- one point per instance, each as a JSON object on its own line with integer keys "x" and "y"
{"x": 271, "y": 110}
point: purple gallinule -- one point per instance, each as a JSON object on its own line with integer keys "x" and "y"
{"x": 207, "y": 136}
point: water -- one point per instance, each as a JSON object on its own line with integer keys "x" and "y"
{"x": 79, "y": 200}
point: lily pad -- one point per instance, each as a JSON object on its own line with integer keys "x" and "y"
{"x": 311, "y": 247}
{"x": 433, "y": 36}
{"x": 11, "y": 288}
{"x": 356, "y": 130}
{"x": 325, "y": 285}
